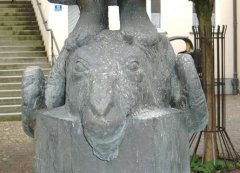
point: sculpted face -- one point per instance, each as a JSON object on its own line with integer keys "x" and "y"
{"x": 106, "y": 84}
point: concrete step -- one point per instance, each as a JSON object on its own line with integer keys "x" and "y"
{"x": 21, "y": 43}
{"x": 5, "y": 66}
{"x": 15, "y": 116}
{"x": 16, "y": 28}
{"x": 23, "y": 59}
{"x": 10, "y": 79}
{"x": 19, "y": 32}
{"x": 13, "y": 10}
{"x": 15, "y": 2}
{"x": 17, "y": 18}
{"x": 23, "y": 54}
{"x": 10, "y": 108}
{"x": 10, "y": 100}
{"x": 10, "y": 93}
{"x": 20, "y": 37}
{"x": 21, "y": 48}
{"x": 8, "y": 86}
{"x": 23, "y": 13}
{"x": 13, "y": 5}
{"x": 18, "y": 23}
{"x": 19, "y": 72}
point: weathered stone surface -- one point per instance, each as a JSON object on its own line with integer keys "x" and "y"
{"x": 155, "y": 141}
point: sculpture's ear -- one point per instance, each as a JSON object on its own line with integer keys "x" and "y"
{"x": 196, "y": 106}
{"x": 56, "y": 84}
{"x": 33, "y": 84}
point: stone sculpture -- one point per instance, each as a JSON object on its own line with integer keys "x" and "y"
{"x": 116, "y": 101}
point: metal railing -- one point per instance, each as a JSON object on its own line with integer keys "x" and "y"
{"x": 53, "y": 39}
{"x": 224, "y": 145}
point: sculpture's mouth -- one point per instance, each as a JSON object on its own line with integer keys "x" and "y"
{"x": 103, "y": 127}
{"x": 104, "y": 133}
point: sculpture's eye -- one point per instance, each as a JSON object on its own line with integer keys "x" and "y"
{"x": 133, "y": 65}
{"x": 81, "y": 66}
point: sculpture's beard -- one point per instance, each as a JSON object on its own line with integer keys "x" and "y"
{"x": 104, "y": 133}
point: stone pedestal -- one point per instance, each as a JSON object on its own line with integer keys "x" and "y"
{"x": 155, "y": 142}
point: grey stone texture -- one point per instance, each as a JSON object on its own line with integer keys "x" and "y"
{"x": 116, "y": 101}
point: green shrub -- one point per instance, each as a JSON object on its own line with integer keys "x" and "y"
{"x": 198, "y": 167}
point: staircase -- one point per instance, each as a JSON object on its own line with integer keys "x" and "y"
{"x": 21, "y": 45}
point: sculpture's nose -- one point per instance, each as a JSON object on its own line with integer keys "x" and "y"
{"x": 101, "y": 97}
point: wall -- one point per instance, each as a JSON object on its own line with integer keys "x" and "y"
{"x": 226, "y": 18}
{"x": 73, "y": 16}
{"x": 56, "y": 20}
{"x": 45, "y": 34}
{"x": 177, "y": 20}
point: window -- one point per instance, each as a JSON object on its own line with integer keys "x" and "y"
{"x": 195, "y": 19}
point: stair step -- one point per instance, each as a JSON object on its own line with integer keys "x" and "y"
{"x": 21, "y": 43}
{"x": 18, "y": 32}
{"x": 18, "y": 23}
{"x": 12, "y": 10}
{"x": 5, "y": 66}
{"x": 21, "y": 48}
{"x": 17, "y": 18}
{"x": 15, "y": 116}
{"x": 10, "y": 93}
{"x": 15, "y": 2}
{"x": 23, "y": 13}
{"x": 20, "y": 37}
{"x": 23, "y": 54}
{"x": 8, "y": 86}
{"x": 10, "y": 108}
{"x": 11, "y": 79}
{"x": 13, "y": 5}
{"x": 8, "y": 28}
{"x": 10, "y": 100}
{"x": 23, "y": 60}
{"x": 19, "y": 72}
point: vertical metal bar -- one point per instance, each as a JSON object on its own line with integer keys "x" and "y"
{"x": 199, "y": 55}
{"x": 218, "y": 79}
{"x": 222, "y": 79}
{"x": 224, "y": 96}
{"x": 52, "y": 51}
{"x": 235, "y": 82}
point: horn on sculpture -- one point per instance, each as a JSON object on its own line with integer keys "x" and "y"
{"x": 135, "y": 22}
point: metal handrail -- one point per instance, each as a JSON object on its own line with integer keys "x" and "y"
{"x": 53, "y": 39}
